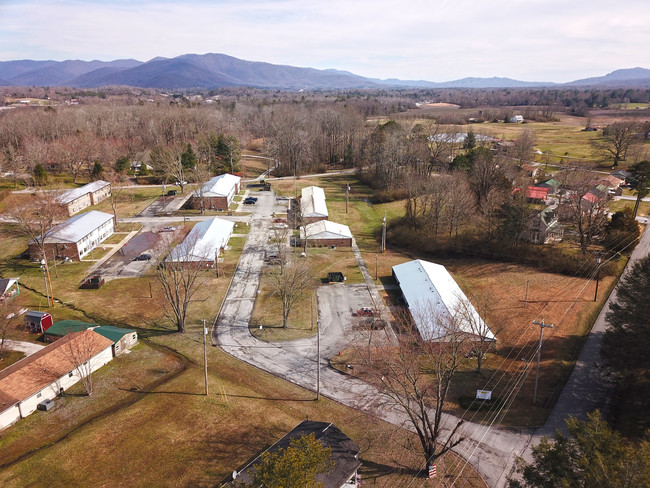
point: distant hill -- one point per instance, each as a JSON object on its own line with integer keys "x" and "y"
{"x": 620, "y": 77}
{"x": 208, "y": 71}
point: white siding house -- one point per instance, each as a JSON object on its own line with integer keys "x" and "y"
{"x": 77, "y": 236}
{"x": 49, "y": 372}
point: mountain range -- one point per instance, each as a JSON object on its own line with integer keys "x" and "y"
{"x": 209, "y": 71}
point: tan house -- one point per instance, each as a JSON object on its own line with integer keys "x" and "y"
{"x": 543, "y": 228}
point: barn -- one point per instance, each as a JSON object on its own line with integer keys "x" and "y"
{"x": 49, "y": 372}
{"x": 62, "y": 328}
{"x": 76, "y": 237}
{"x": 217, "y": 193}
{"x": 203, "y": 243}
{"x": 326, "y": 233}
{"x": 437, "y": 305}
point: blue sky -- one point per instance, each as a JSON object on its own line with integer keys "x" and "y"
{"x": 435, "y": 40}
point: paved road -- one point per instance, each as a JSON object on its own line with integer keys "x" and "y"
{"x": 490, "y": 448}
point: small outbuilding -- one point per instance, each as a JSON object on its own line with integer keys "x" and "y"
{"x": 326, "y": 233}
{"x": 345, "y": 455}
{"x": 312, "y": 205}
{"x": 38, "y": 322}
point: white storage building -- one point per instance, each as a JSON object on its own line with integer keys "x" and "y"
{"x": 203, "y": 243}
{"x": 326, "y": 233}
{"x": 436, "y": 302}
{"x": 312, "y": 204}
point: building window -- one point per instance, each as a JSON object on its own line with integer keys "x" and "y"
{"x": 70, "y": 374}
{"x": 38, "y": 395}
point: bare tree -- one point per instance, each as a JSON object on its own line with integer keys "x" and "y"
{"x": 80, "y": 350}
{"x": 415, "y": 375}
{"x": 617, "y": 140}
{"x": 179, "y": 277}
{"x": 8, "y": 310}
{"x": 474, "y": 319}
{"x": 279, "y": 237}
{"x": 586, "y": 206}
{"x": 523, "y": 147}
{"x": 292, "y": 286}
{"x": 167, "y": 160}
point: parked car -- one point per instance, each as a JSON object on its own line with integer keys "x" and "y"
{"x": 142, "y": 257}
{"x": 250, "y": 201}
{"x": 168, "y": 228}
{"x": 365, "y": 312}
{"x": 171, "y": 193}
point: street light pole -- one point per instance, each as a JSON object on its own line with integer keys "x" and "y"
{"x": 205, "y": 357}
{"x": 542, "y": 325}
{"x": 383, "y": 234}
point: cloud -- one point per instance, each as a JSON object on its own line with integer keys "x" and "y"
{"x": 526, "y": 39}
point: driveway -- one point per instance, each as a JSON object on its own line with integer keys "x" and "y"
{"x": 28, "y": 348}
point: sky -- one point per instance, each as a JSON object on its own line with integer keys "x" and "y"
{"x": 433, "y": 40}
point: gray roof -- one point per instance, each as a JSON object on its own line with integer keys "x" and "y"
{"x": 77, "y": 227}
{"x": 344, "y": 452}
{"x": 75, "y": 193}
{"x": 219, "y": 186}
{"x": 325, "y": 229}
{"x": 312, "y": 202}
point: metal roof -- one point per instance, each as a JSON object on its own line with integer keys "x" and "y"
{"x": 71, "y": 195}
{"x": 325, "y": 229}
{"x": 113, "y": 333}
{"x": 312, "y": 202}
{"x": 64, "y": 327}
{"x": 203, "y": 241}
{"x": 436, "y": 302}
{"x": 219, "y": 186}
{"x": 76, "y": 228}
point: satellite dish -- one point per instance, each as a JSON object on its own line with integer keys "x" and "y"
{"x": 234, "y": 474}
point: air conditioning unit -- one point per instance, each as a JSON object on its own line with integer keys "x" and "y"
{"x": 45, "y": 405}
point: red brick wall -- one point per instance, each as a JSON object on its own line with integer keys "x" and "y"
{"x": 54, "y": 251}
{"x": 218, "y": 203}
{"x": 342, "y": 242}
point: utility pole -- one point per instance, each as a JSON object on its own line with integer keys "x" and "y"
{"x": 526, "y": 299}
{"x": 383, "y": 234}
{"x": 597, "y": 278}
{"x": 347, "y": 196}
{"x": 317, "y": 359}
{"x": 542, "y": 325}
{"x": 205, "y": 357}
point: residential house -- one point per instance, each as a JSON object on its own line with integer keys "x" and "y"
{"x": 344, "y": 454}
{"x": 123, "y": 339}
{"x": 552, "y": 184}
{"x": 437, "y": 305}
{"x": 203, "y": 244}
{"x": 217, "y": 193}
{"x": 38, "y": 322}
{"x": 536, "y": 194}
{"x": 79, "y": 198}
{"x": 49, "y": 372}
{"x": 517, "y": 119}
{"x": 543, "y": 227}
{"x": 76, "y": 237}
{"x": 326, "y": 233}
{"x": 8, "y": 288}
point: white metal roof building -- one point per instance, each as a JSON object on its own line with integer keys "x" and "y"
{"x": 436, "y": 302}
{"x": 76, "y": 228}
{"x": 71, "y": 195}
{"x": 312, "y": 202}
{"x": 325, "y": 229}
{"x": 220, "y": 186}
{"x": 204, "y": 242}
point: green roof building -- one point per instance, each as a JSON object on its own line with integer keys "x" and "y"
{"x": 64, "y": 327}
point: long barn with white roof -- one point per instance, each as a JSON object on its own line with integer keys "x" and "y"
{"x": 203, "y": 244}
{"x": 438, "y": 306}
